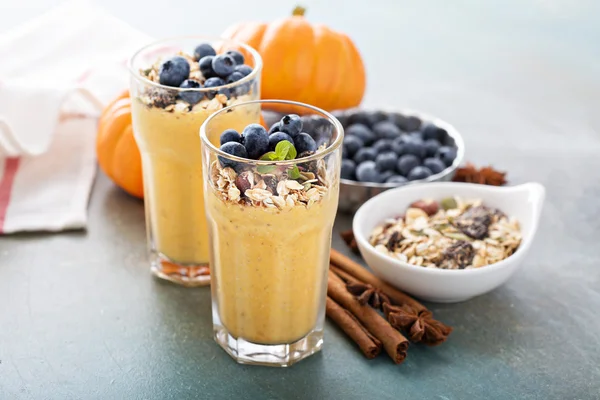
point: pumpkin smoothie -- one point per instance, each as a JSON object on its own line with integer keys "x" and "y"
{"x": 173, "y": 92}
{"x": 269, "y": 267}
{"x": 271, "y": 200}
{"x": 172, "y": 165}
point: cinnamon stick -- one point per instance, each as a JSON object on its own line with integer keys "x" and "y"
{"x": 360, "y": 273}
{"x": 407, "y": 313}
{"x": 393, "y": 342}
{"x": 368, "y": 344}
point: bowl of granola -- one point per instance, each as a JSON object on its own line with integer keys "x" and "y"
{"x": 448, "y": 241}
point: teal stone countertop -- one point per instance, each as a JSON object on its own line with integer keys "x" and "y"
{"x": 82, "y": 318}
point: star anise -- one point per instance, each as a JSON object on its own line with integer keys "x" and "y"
{"x": 367, "y": 294}
{"x": 350, "y": 240}
{"x": 485, "y": 176}
{"x": 420, "y": 326}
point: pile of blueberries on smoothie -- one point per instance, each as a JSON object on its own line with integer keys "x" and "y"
{"x": 256, "y": 143}
{"x": 216, "y": 70}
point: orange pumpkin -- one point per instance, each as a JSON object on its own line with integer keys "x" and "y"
{"x": 304, "y": 62}
{"x": 116, "y": 149}
{"x": 118, "y": 154}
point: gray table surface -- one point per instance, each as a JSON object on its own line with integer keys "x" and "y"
{"x": 81, "y": 318}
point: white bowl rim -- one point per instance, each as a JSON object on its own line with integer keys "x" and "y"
{"x": 533, "y": 187}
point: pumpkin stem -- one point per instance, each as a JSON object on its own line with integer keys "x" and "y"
{"x": 299, "y": 11}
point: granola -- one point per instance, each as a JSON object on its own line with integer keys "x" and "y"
{"x": 460, "y": 234}
{"x": 275, "y": 191}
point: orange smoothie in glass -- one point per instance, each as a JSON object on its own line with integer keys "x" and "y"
{"x": 175, "y": 86}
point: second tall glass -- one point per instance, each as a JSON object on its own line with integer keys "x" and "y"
{"x": 166, "y": 121}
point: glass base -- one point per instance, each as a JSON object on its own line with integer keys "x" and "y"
{"x": 270, "y": 355}
{"x": 190, "y": 275}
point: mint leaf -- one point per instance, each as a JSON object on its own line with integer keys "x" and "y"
{"x": 270, "y": 156}
{"x": 265, "y": 169}
{"x": 283, "y": 149}
{"x": 291, "y": 152}
{"x": 294, "y": 172}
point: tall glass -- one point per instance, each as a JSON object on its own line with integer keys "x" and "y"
{"x": 166, "y": 122}
{"x": 270, "y": 236}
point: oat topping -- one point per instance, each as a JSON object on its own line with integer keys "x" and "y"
{"x": 273, "y": 190}
{"x": 461, "y": 234}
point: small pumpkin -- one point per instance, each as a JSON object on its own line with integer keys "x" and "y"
{"x": 116, "y": 149}
{"x": 304, "y": 62}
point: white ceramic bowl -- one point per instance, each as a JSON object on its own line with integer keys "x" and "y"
{"x": 439, "y": 285}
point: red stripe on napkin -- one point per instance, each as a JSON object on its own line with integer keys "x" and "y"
{"x": 86, "y": 74}
{"x": 11, "y": 165}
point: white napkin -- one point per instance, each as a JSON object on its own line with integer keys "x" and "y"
{"x": 57, "y": 72}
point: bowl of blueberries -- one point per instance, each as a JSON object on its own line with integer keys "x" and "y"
{"x": 386, "y": 149}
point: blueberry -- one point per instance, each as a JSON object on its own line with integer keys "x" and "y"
{"x": 399, "y": 179}
{"x": 386, "y": 130}
{"x": 385, "y": 175}
{"x": 406, "y": 163}
{"x": 223, "y": 65}
{"x": 352, "y": 144}
{"x": 206, "y": 68}
{"x": 174, "y": 71}
{"x": 367, "y": 172}
{"x": 203, "y": 50}
{"x": 291, "y": 124}
{"x": 419, "y": 172}
{"x": 191, "y": 96}
{"x": 398, "y": 146}
{"x": 377, "y": 116}
{"x": 230, "y": 135}
{"x": 414, "y": 146}
{"x": 243, "y": 69}
{"x": 348, "y": 170}
{"x": 434, "y": 164}
{"x": 447, "y": 154}
{"x": 235, "y": 149}
{"x": 407, "y": 124}
{"x": 341, "y": 116}
{"x": 431, "y": 131}
{"x": 278, "y": 137}
{"x": 237, "y": 56}
{"x": 359, "y": 117}
{"x": 386, "y": 161}
{"x": 304, "y": 142}
{"x": 382, "y": 145}
{"x": 361, "y": 131}
{"x": 256, "y": 140}
{"x": 216, "y": 82}
{"x": 318, "y": 128}
{"x": 234, "y": 77}
{"x": 431, "y": 147}
{"x": 416, "y": 135}
{"x": 274, "y": 128}
{"x": 365, "y": 154}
